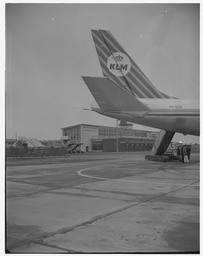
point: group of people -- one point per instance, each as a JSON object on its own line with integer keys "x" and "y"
{"x": 183, "y": 153}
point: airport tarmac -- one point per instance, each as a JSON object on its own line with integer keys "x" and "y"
{"x": 102, "y": 203}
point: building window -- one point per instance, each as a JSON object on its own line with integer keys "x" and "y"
{"x": 97, "y": 145}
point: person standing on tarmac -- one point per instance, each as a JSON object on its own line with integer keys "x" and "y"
{"x": 185, "y": 154}
{"x": 179, "y": 152}
{"x": 182, "y": 155}
{"x": 188, "y": 148}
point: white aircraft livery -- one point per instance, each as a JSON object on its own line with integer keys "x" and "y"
{"x": 125, "y": 92}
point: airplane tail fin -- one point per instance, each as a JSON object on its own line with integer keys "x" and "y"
{"x": 111, "y": 97}
{"x": 118, "y": 66}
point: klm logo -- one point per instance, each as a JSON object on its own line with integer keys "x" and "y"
{"x": 119, "y": 64}
{"x": 118, "y": 67}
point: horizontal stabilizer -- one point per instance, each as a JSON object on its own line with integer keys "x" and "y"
{"x": 110, "y": 96}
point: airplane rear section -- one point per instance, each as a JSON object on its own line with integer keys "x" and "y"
{"x": 112, "y": 100}
{"x": 160, "y": 146}
{"x": 124, "y": 91}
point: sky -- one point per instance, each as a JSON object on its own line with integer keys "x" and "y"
{"x": 49, "y": 48}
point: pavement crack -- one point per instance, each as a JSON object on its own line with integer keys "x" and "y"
{"x": 39, "y": 242}
{"x": 102, "y": 216}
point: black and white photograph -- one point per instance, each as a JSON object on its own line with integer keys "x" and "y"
{"x": 102, "y": 128}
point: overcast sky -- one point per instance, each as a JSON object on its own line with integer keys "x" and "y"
{"x": 49, "y": 47}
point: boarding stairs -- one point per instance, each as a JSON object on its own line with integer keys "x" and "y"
{"x": 70, "y": 146}
{"x": 160, "y": 146}
{"x": 74, "y": 149}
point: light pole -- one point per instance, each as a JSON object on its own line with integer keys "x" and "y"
{"x": 117, "y": 146}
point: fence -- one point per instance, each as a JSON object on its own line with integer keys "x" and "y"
{"x": 35, "y": 152}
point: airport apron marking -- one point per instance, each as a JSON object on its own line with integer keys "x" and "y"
{"x": 132, "y": 181}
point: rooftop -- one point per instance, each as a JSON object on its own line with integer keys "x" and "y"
{"x": 91, "y": 125}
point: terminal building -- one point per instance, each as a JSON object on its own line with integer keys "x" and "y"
{"x": 108, "y": 139}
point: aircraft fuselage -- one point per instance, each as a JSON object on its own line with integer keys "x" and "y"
{"x": 175, "y": 115}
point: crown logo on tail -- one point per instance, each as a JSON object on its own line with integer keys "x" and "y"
{"x": 118, "y": 58}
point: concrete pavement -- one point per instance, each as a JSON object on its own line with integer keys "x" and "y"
{"x": 102, "y": 202}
